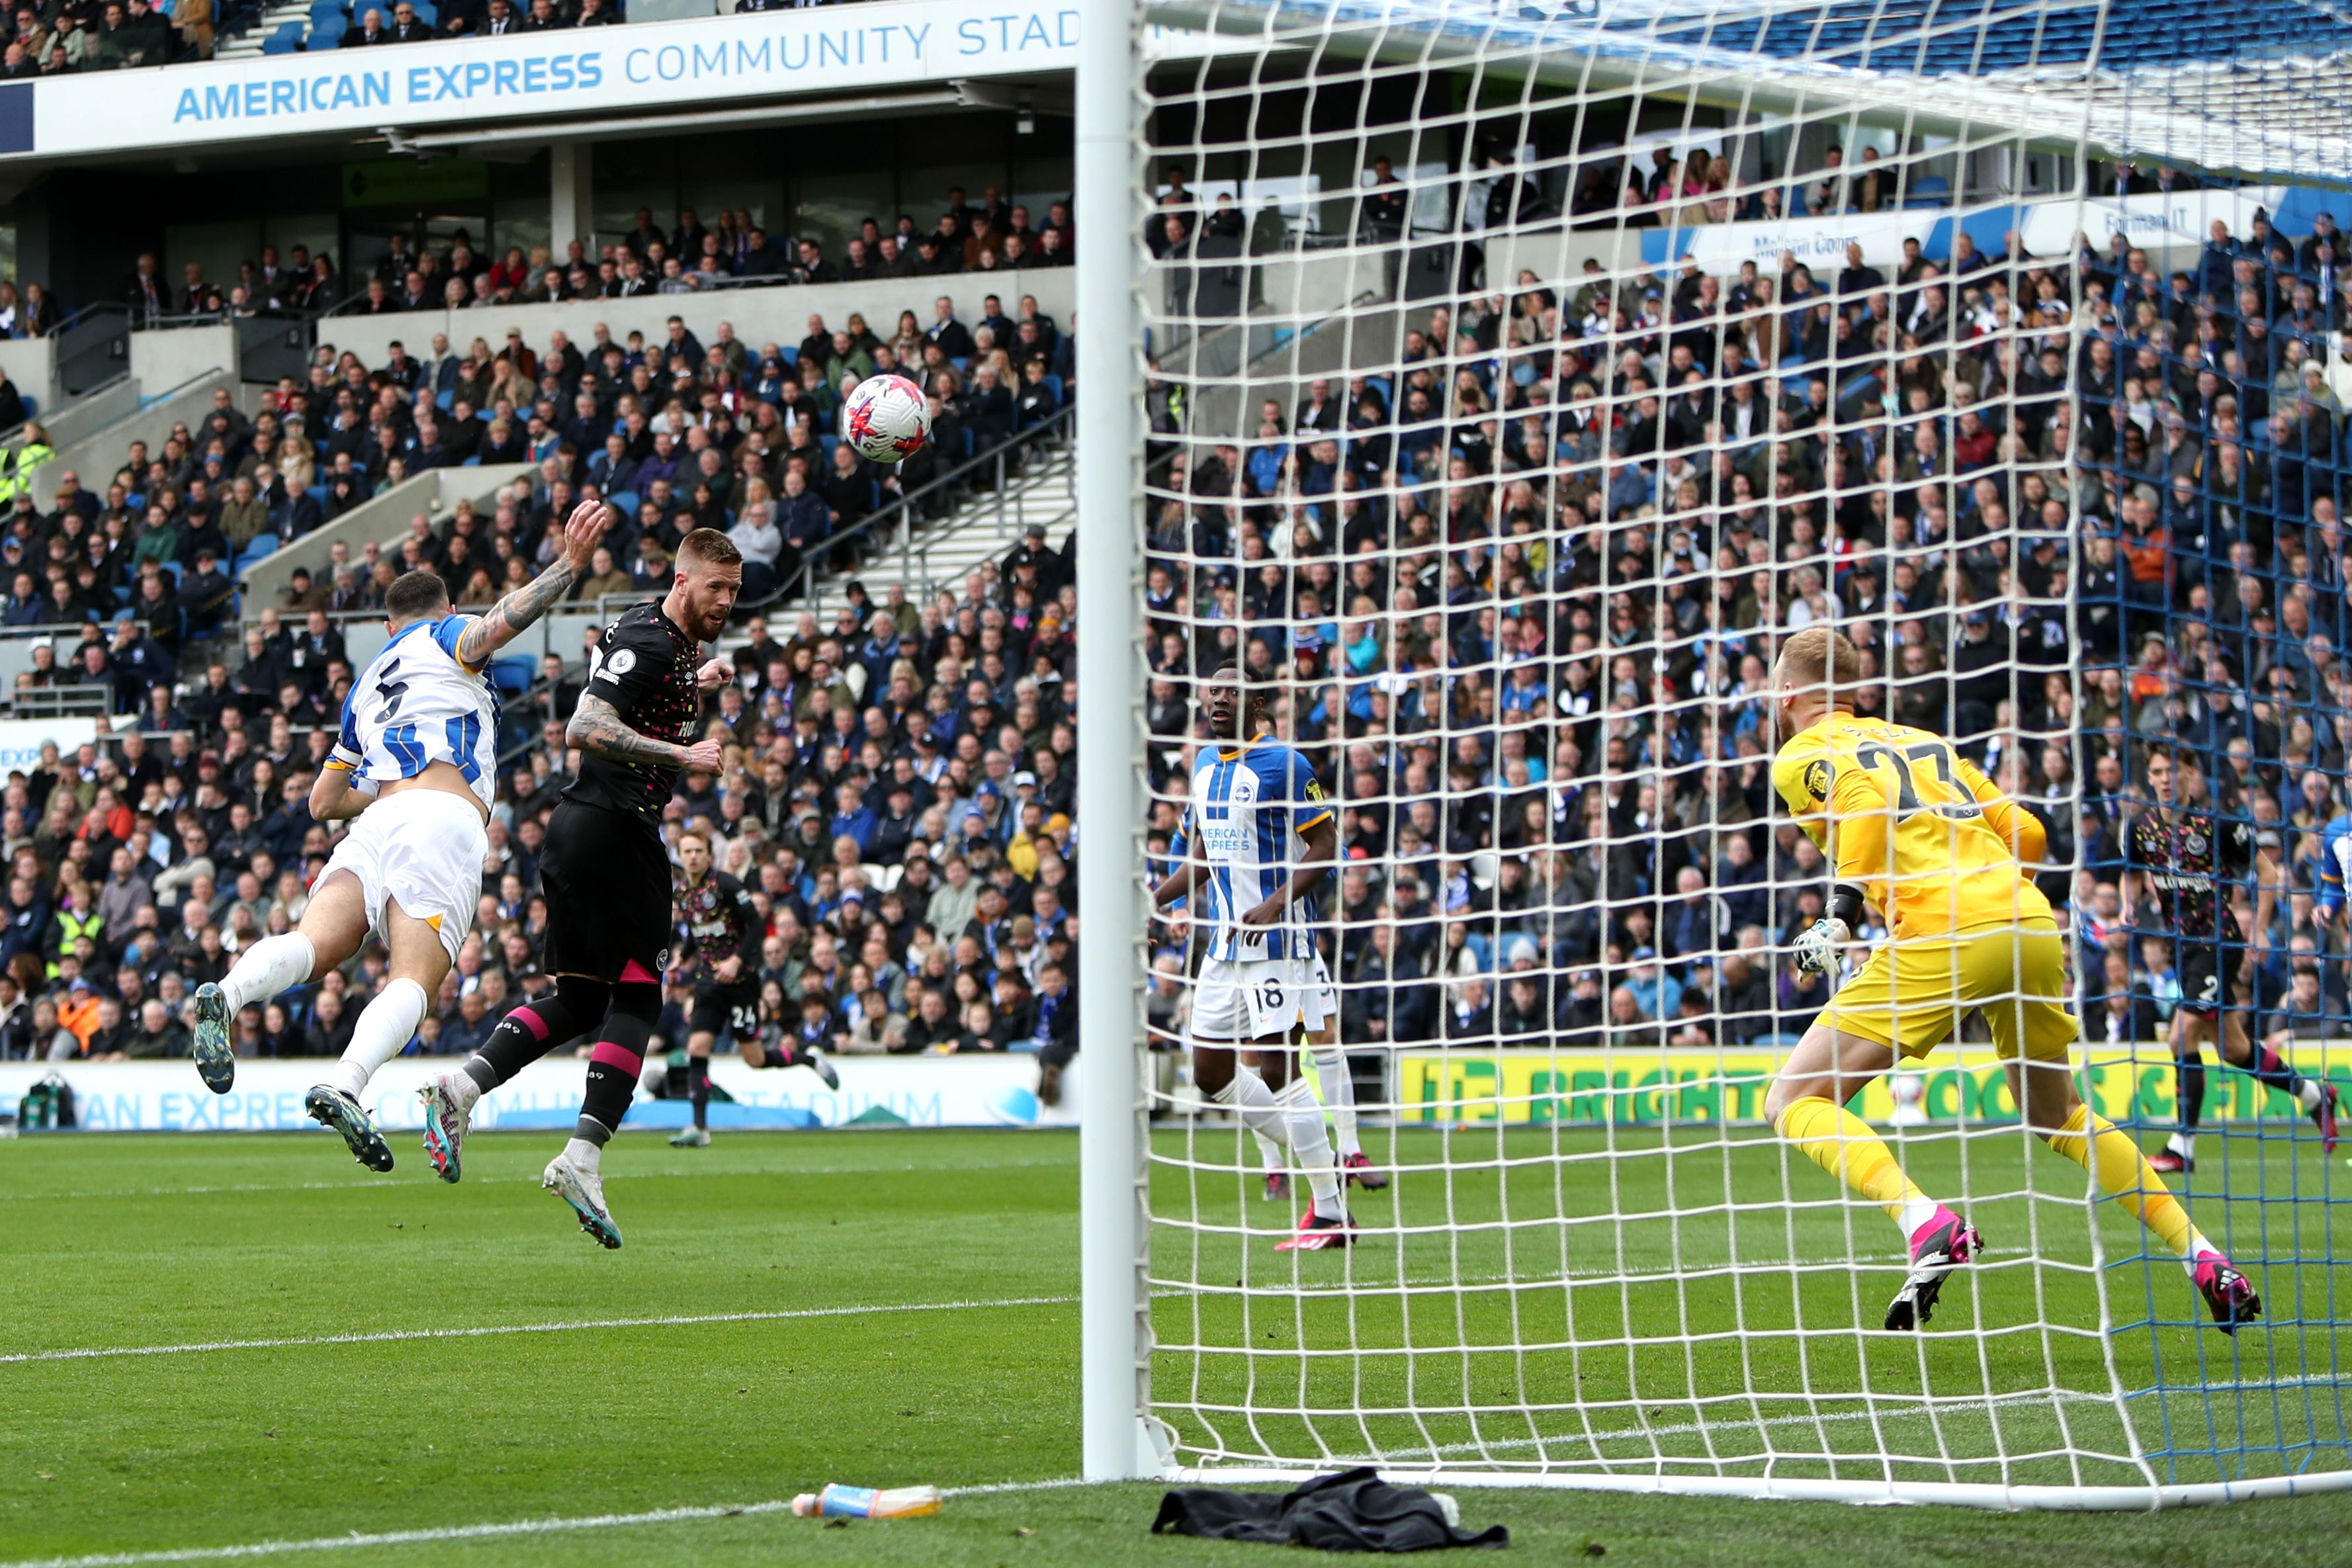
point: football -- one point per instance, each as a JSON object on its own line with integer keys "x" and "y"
{"x": 885, "y": 418}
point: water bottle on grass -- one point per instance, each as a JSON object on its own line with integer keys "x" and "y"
{"x": 838, "y": 1501}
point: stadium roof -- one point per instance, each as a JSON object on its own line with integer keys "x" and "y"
{"x": 2262, "y": 88}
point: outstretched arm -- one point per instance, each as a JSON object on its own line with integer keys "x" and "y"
{"x": 507, "y": 618}
{"x": 596, "y": 727}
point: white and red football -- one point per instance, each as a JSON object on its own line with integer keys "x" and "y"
{"x": 885, "y": 418}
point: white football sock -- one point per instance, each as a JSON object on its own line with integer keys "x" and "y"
{"x": 1254, "y": 1103}
{"x": 2198, "y": 1247}
{"x": 1339, "y": 1095}
{"x": 1269, "y": 1149}
{"x": 2183, "y": 1145}
{"x": 1916, "y": 1212}
{"x": 274, "y": 963}
{"x": 384, "y": 1029}
{"x": 463, "y": 1088}
{"x": 1312, "y": 1144}
{"x": 585, "y": 1157}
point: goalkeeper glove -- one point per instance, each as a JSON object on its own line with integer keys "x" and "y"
{"x": 1817, "y": 948}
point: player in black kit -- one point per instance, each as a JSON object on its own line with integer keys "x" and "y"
{"x": 606, "y": 873}
{"x": 723, "y": 935}
{"x": 2187, "y": 857}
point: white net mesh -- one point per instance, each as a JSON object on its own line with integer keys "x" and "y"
{"x": 1522, "y": 381}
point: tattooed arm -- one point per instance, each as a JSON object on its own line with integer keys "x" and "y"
{"x": 596, "y": 727}
{"x": 482, "y": 638}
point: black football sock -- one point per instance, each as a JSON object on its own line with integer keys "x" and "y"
{"x": 698, "y": 1079}
{"x": 2188, "y": 1090}
{"x": 533, "y": 1029}
{"x": 2270, "y": 1067}
{"x": 617, "y": 1061}
{"x": 779, "y": 1056}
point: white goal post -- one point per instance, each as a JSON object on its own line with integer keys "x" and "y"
{"x": 1499, "y": 386}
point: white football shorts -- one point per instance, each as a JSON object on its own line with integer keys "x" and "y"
{"x": 1258, "y": 999}
{"x": 423, "y": 848}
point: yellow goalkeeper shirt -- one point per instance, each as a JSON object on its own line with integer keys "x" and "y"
{"x": 1934, "y": 843}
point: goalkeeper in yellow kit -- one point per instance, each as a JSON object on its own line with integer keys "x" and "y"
{"x": 1911, "y": 826}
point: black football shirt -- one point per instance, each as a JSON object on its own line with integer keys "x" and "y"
{"x": 644, "y": 665}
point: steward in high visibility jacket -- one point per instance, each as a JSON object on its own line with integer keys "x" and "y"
{"x": 16, "y": 467}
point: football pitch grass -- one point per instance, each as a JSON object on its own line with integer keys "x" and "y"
{"x": 210, "y": 1344}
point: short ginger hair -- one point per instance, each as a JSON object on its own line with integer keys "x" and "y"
{"x": 1819, "y": 656}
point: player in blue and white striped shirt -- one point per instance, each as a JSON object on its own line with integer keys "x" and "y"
{"x": 414, "y": 764}
{"x": 1260, "y": 839}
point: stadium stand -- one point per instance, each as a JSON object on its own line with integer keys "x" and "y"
{"x": 901, "y": 794}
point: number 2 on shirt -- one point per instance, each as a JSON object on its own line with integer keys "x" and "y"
{"x": 1907, "y": 800}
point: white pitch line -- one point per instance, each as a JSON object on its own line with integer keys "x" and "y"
{"x": 473, "y": 1532}
{"x": 1909, "y": 1410}
{"x": 391, "y": 1336}
{"x": 395, "y": 1185}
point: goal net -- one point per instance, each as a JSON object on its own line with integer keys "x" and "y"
{"x": 1521, "y": 378}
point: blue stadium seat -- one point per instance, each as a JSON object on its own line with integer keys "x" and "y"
{"x": 1935, "y": 38}
{"x": 287, "y": 41}
{"x": 254, "y": 554}
{"x": 827, "y": 443}
{"x": 1053, "y": 384}
{"x": 1929, "y": 191}
{"x": 426, "y": 12}
{"x": 329, "y": 17}
{"x": 624, "y": 502}
{"x": 791, "y": 356}
{"x": 513, "y": 674}
{"x": 445, "y": 399}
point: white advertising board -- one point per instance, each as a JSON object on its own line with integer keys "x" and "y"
{"x": 1819, "y": 242}
{"x": 2163, "y": 221}
{"x": 976, "y": 1090}
{"x": 697, "y": 63}
{"x": 21, "y": 740}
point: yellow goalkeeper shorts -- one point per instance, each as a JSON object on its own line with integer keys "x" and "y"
{"x": 1911, "y": 995}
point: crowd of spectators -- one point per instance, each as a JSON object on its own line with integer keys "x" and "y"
{"x": 679, "y": 433}
{"x": 1517, "y": 596}
{"x": 733, "y": 251}
{"x": 1520, "y": 593}
{"x": 410, "y": 22}
{"x": 216, "y": 723}
{"x": 906, "y": 838}
{"x": 58, "y": 38}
